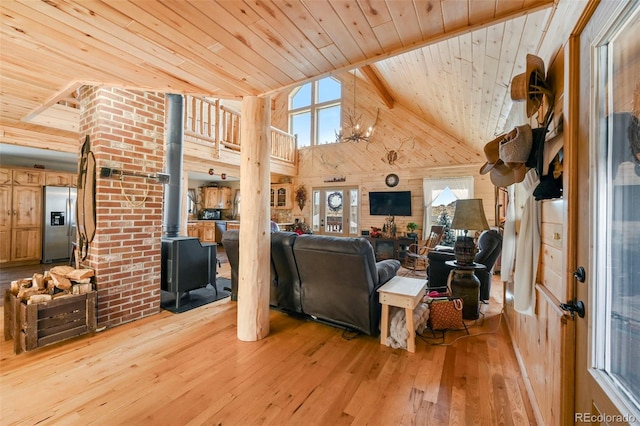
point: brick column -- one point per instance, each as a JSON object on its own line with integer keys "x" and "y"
{"x": 126, "y": 128}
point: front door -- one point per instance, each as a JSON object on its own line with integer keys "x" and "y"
{"x": 335, "y": 211}
{"x": 605, "y": 107}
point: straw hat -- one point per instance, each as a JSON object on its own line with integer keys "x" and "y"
{"x": 491, "y": 151}
{"x": 530, "y": 85}
{"x": 514, "y": 150}
{"x": 501, "y": 174}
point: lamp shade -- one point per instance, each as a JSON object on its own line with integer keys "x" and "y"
{"x": 469, "y": 215}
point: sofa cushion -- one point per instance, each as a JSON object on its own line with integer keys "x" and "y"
{"x": 288, "y": 281}
{"x": 338, "y": 276}
{"x": 387, "y": 269}
{"x": 231, "y": 243}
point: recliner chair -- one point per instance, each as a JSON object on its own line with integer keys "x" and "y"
{"x": 489, "y": 249}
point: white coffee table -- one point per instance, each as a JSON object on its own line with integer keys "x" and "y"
{"x": 401, "y": 292}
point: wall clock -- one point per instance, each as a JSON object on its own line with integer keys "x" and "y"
{"x": 392, "y": 180}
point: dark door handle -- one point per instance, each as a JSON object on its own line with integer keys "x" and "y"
{"x": 573, "y": 306}
{"x": 580, "y": 274}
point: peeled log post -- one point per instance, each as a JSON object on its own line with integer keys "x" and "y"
{"x": 254, "y": 270}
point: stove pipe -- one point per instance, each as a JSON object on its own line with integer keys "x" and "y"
{"x": 173, "y": 152}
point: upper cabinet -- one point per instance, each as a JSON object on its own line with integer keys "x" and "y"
{"x": 5, "y": 176}
{"x": 27, "y": 177}
{"x": 216, "y": 197}
{"x": 281, "y": 196}
{"x": 60, "y": 179}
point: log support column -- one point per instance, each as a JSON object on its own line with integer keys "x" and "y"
{"x": 254, "y": 271}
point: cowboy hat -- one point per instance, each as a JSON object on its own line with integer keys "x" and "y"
{"x": 501, "y": 175}
{"x": 530, "y": 85}
{"x": 514, "y": 150}
{"x": 492, "y": 154}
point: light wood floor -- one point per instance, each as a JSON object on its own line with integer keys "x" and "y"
{"x": 189, "y": 368}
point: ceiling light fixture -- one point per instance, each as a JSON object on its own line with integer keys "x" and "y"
{"x": 357, "y": 134}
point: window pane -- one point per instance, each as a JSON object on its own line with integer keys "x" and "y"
{"x": 328, "y": 123}
{"x": 353, "y": 211}
{"x": 302, "y": 98}
{"x": 329, "y": 89}
{"x": 315, "y": 211}
{"x": 622, "y": 226}
{"x": 301, "y": 126}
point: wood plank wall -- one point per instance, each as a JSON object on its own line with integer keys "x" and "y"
{"x": 544, "y": 342}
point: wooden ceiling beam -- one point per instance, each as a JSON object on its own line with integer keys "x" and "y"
{"x": 381, "y": 89}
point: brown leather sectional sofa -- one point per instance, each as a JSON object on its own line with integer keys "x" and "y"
{"x": 329, "y": 279}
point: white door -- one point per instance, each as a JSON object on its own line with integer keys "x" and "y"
{"x": 604, "y": 117}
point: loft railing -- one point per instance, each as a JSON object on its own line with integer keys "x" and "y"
{"x": 211, "y": 122}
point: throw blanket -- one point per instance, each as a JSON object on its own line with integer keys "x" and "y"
{"x": 398, "y": 333}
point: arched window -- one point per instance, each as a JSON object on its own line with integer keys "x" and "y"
{"x": 314, "y": 112}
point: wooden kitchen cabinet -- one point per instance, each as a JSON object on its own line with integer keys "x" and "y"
{"x": 5, "y": 223}
{"x": 21, "y": 211}
{"x": 208, "y": 234}
{"x": 193, "y": 229}
{"x": 209, "y": 197}
{"x": 216, "y": 197}
{"x": 26, "y": 207}
{"x": 224, "y": 197}
{"x": 26, "y": 244}
{"x": 20, "y": 223}
{"x": 60, "y": 179}
{"x": 281, "y": 196}
{"x": 27, "y": 177}
{"x": 5, "y": 176}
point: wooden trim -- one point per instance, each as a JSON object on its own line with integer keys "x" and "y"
{"x": 371, "y": 75}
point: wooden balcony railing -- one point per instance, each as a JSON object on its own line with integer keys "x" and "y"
{"x": 211, "y": 122}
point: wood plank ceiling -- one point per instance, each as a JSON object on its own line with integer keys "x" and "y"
{"x": 448, "y": 61}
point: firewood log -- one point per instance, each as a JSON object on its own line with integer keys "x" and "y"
{"x": 37, "y": 298}
{"x": 20, "y": 284}
{"x": 81, "y": 288}
{"x": 62, "y": 270}
{"x": 80, "y": 274}
{"x": 38, "y": 281}
{"x": 50, "y": 284}
{"x": 61, "y": 281}
{"x": 26, "y": 293}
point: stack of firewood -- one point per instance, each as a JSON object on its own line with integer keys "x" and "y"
{"x": 56, "y": 282}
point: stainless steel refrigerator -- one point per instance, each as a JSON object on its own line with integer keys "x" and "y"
{"x": 59, "y": 223}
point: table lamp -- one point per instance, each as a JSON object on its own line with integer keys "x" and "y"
{"x": 469, "y": 215}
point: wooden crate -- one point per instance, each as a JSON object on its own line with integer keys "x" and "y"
{"x": 40, "y": 324}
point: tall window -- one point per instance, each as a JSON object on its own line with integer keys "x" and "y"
{"x": 314, "y": 112}
{"x": 439, "y": 198}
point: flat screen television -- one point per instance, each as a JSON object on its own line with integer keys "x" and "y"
{"x": 394, "y": 203}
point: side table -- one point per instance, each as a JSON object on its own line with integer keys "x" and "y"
{"x": 401, "y": 292}
{"x": 465, "y": 285}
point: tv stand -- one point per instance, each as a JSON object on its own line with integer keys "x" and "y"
{"x": 390, "y": 248}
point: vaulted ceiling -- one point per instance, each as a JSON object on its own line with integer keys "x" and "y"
{"x": 448, "y": 61}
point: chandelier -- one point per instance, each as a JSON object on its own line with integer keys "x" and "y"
{"x": 357, "y": 132}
